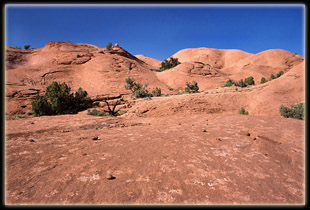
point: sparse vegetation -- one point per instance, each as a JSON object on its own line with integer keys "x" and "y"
{"x": 243, "y": 112}
{"x": 111, "y": 112}
{"x": 58, "y": 100}
{"x": 137, "y": 89}
{"x": 241, "y": 83}
{"x": 94, "y": 112}
{"x": 249, "y": 81}
{"x": 191, "y": 87}
{"x": 228, "y": 83}
{"x": 156, "y": 92}
{"x": 296, "y": 111}
{"x": 109, "y": 46}
{"x": 279, "y": 74}
{"x": 168, "y": 64}
{"x": 263, "y": 80}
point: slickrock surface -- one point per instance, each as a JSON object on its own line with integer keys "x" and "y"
{"x": 173, "y": 149}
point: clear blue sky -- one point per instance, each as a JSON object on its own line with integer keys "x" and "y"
{"x": 160, "y": 31}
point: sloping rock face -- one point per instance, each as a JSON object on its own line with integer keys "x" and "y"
{"x": 152, "y": 62}
{"x": 97, "y": 70}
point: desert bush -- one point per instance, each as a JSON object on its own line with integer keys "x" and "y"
{"x": 109, "y": 46}
{"x": 130, "y": 84}
{"x": 168, "y": 64}
{"x": 26, "y": 47}
{"x": 142, "y": 92}
{"x": 58, "y": 100}
{"x": 279, "y": 74}
{"x": 228, "y": 83}
{"x": 112, "y": 112}
{"x": 157, "y": 92}
{"x": 191, "y": 87}
{"x": 263, "y": 80}
{"x": 241, "y": 83}
{"x": 40, "y": 106}
{"x": 242, "y": 111}
{"x": 249, "y": 81}
{"x": 137, "y": 89}
{"x": 296, "y": 111}
{"x": 94, "y": 112}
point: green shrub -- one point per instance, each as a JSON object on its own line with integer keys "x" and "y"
{"x": 249, "y": 81}
{"x": 228, "y": 83}
{"x": 242, "y": 111}
{"x": 241, "y": 83}
{"x": 168, "y": 64}
{"x": 191, "y": 87}
{"x": 131, "y": 84}
{"x": 109, "y": 46}
{"x": 137, "y": 89}
{"x": 94, "y": 112}
{"x": 279, "y": 74}
{"x": 263, "y": 80}
{"x": 142, "y": 92}
{"x": 296, "y": 111}
{"x": 59, "y": 100}
{"x": 40, "y": 106}
{"x": 157, "y": 92}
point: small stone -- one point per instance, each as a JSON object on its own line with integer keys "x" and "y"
{"x": 254, "y": 138}
{"x": 32, "y": 140}
{"x": 248, "y": 134}
{"x": 109, "y": 175}
{"x": 204, "y": 130}
{"x": 219, "y": 139}
{"x": 32, "y": 123}
{"x": 95, "y": 138}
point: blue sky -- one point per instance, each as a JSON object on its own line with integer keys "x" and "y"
{"x": 159, "y": 31}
